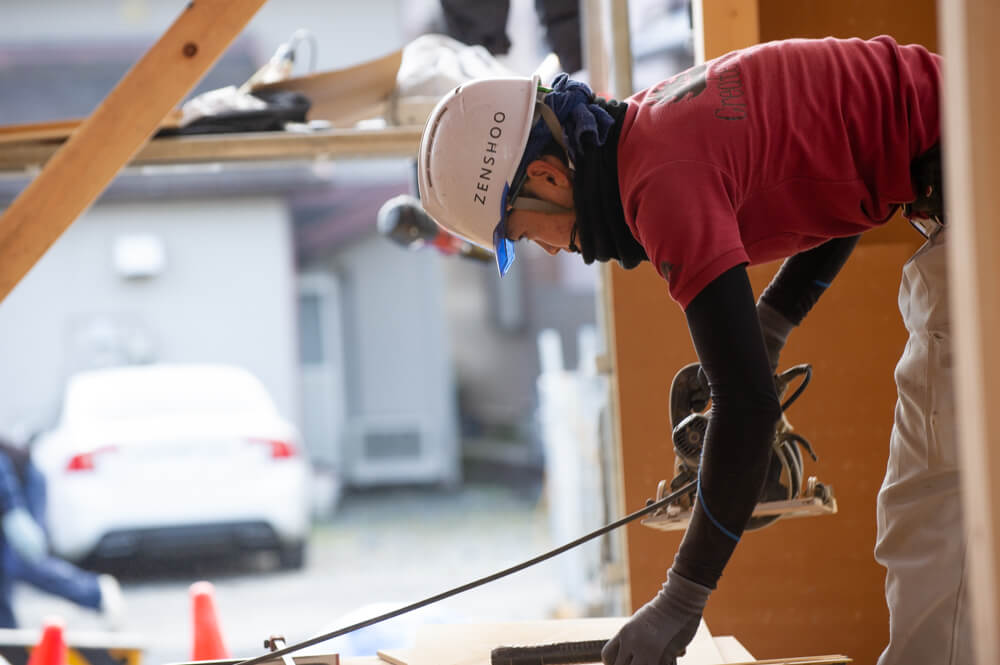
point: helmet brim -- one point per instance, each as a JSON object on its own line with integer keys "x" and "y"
{"x": 503, "y": 248}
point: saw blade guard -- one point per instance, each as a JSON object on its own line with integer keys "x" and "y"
{"x": 690, "y": 399}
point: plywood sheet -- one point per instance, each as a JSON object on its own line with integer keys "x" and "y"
{"x": 471, "y": 644}
{"x": 345, "y": 96}
{"x": 852, "y": 338}
{"x": 258, "y": 146}
{"x": 809, "y": 660}
{"x": 519, "y": 633}
{"x": 731, "y": 650}
{"x": 59, "y": 130}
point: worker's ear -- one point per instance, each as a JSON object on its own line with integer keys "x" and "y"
{"x": 547, "y": 173}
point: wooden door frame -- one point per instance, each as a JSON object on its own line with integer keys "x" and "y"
{"x": 971, "y": 145}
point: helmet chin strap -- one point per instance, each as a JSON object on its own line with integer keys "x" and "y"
{"x": 552, "y": 122}
{"x": 539, "y": 205}
{"x": 550, "y": 119}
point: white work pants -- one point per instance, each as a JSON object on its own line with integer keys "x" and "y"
{"x": 920, "y": 537}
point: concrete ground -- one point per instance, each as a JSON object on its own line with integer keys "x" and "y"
{"x": 392, "y": 546}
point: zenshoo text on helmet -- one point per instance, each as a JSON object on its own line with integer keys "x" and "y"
{"x": 469, "y": 154}
{"x": 489, "y": 157}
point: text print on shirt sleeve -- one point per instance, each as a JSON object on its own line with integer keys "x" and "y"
{"x": 686, "y": 85}
{"x": 726, "y": 79}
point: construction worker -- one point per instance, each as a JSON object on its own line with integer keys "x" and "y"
{"x": 785, "y": 149}
{"x": 484, "y": 22}
{"x": 24, "y": 556}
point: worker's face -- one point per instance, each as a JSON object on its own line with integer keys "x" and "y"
{"x": 547, "y": 179}
{"x": 551, "y": 232}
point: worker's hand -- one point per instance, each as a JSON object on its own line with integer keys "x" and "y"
{"x": 24, "y": 535}
{"x": 661, "y": 629}
{"x": 775, "y": 327}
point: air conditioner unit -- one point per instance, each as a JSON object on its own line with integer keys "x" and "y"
{"x": 404, "y": 449}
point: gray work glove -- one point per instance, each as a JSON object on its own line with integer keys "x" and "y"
{"x": 660, "y": 630}
{"x": 24, "y": 535}
{"x": 775, "y": 328}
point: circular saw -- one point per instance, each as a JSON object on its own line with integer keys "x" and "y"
{"x": 786, "y": 491}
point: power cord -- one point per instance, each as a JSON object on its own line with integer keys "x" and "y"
{"x": 649, "y": 508}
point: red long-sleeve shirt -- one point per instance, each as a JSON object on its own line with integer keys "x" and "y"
{"x": 771, "y": 150}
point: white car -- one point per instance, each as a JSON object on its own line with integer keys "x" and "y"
{"x": 164, "y": 460}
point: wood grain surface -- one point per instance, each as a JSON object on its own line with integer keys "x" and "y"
{"x": 471, "y": 644}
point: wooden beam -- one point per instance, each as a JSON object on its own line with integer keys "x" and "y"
{"x": 84, "y": 166}
{"x": 861, "y": 307}
{"x": 972, "y": 142}
{"x": 606, "y": 40}
{"x": 326, "y": 144}
{"x": 59, "y": 130}
{"x": 596, "y": 51}
{"x": 621, "y": 49}
{"x": 721, "y": 26}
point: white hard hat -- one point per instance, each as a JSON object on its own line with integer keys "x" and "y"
{"x": 469, "y": 153}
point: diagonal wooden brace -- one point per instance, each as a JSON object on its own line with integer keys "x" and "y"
{"x": 89, "y": 160}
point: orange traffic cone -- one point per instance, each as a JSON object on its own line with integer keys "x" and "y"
{"x": 51, "y": 649}
{"x": 207, "y": 637}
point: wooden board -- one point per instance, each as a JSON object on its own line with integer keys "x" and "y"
{"x": 470, "y": 644}
{"x": 520, "y": 633}
{"x": 38, "y": 131}
{"x": 808, "y": 660}
{"x": 255, "y": 146}
{"x": 972, "y": 142}
{"x": 345, "y": 96}
{"x": 315, "y": 659}
{"x": 340, "y": 96}
{"x": 731, "y": 650}
{"x": 832, "y": 595}
{"x": 59, "y": 130}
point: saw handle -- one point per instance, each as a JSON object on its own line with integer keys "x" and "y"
{"x": 689, "y": 393}
{"x": 782, "y": 381}
{"x": 565, "y": 653}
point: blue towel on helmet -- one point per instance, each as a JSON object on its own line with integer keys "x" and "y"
{"x": 581, "y": 119}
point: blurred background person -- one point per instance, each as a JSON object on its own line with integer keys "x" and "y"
{"x": 484, "y": 22}
{"x": 25, "y": 556}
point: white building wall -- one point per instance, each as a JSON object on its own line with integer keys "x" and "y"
{"x": 225, "y": 294}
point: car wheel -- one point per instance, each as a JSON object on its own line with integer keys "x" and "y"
{"x": 292, "y": 557}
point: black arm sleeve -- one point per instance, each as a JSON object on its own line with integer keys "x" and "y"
{"x": 804, "y": 277}
{"x": 726, "y": 334}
